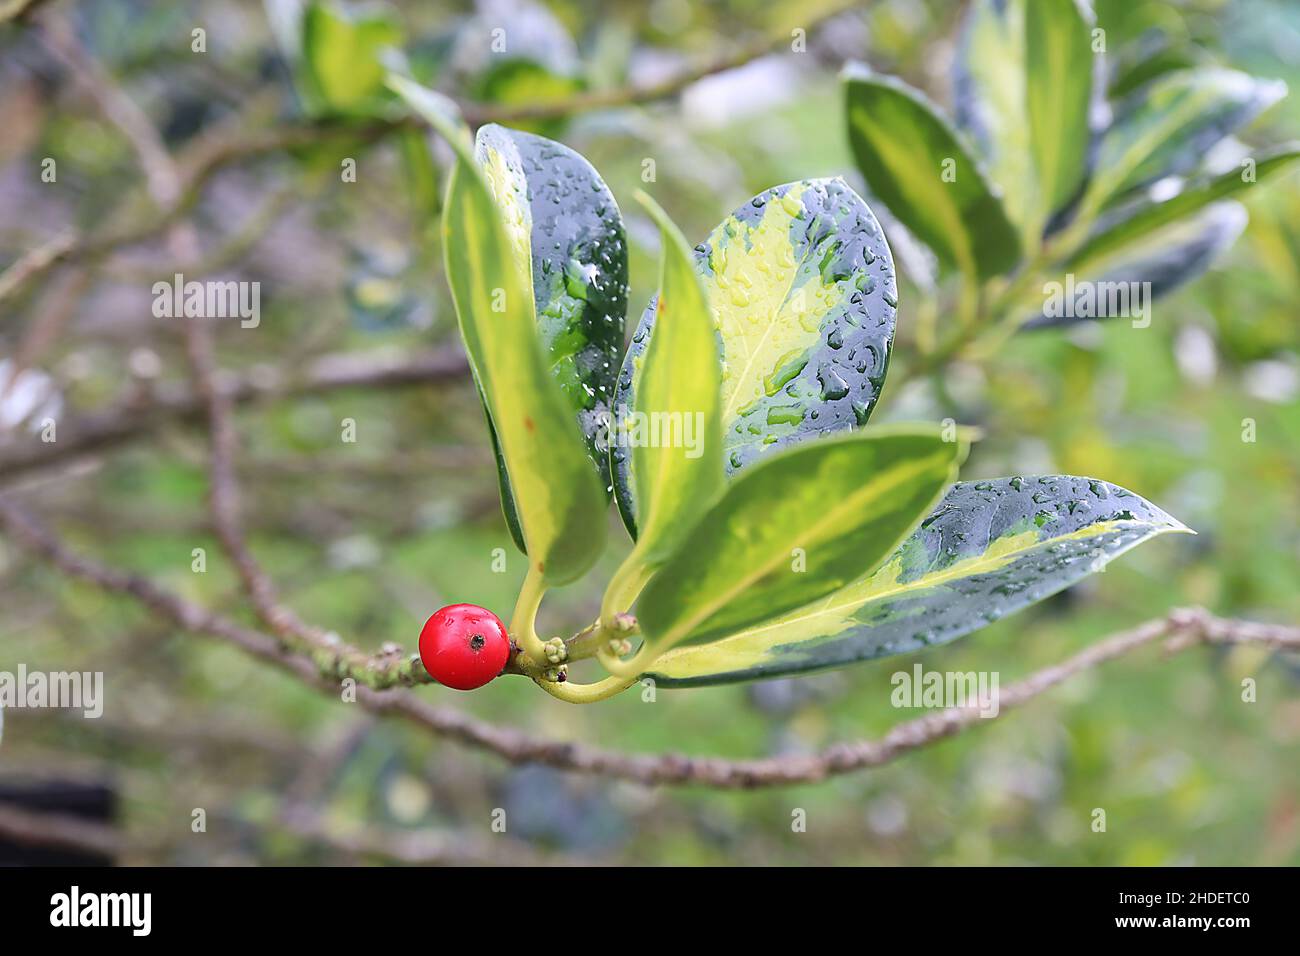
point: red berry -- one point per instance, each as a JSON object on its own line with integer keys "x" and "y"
{"x": 464, "y": 646}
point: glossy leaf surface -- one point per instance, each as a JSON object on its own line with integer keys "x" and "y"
{"x": 989, "y": 549}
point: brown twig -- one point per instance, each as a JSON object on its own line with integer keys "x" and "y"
{"x": 165, "y": 186}
{"x": 220, "y": 148}
{"x": 390, "y": 667}
{"x": 223, "y": 492}
{"x": 37, "y": 261}
{"x": 1184, "y": 628}
{"x": 147, "y": 412}
{"x": 332, "y": 662}
{"x": 118, "y": 108}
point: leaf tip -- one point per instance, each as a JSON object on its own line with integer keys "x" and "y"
{"x": 667, "y": 228}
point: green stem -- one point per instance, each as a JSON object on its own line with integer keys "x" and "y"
{"x": 594, "y": 636}
{"x": 968, "y": 308}
{"x": 624, "y": 588}
{"x": 1006, "y": 311}
{"x": 585, "y": 693}
{"x": 927, "y": 317}
{"x": 629, "y": 669}
{"x": 584, "y": 643}
{"x": 523, "y": 623}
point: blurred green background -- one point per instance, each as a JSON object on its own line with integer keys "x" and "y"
{"x": 367, "y": 539}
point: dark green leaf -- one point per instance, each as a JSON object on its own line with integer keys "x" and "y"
{"x": 1192, "y": 198}
{"x": 1146, "y": 63}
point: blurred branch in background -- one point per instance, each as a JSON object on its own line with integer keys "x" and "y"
{"x": 61, "y": 831}
{"x": 218, "y": 149}
{"x": 419, "y": 847}
{"x": 1183, "y": 628}
{"x": 154, "y": 408}
{"x": 477, "y": 114}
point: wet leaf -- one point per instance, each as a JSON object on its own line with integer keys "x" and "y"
{"x": 801, "y": 283}
{"x": 678, "y": 473}
{"x": 989, "y": 549}
{"x": 567, "y": 228}
{"x": 555, "y": 487}
{"x": 795, "y": 528}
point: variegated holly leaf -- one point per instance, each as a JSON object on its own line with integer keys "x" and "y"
{"x": 1026, "y": 82}
{"x": 677, "y": 379}
{"x": 554, "y": 486}
{"x": 917, "y": 164}
{"x": 567, "y": 228}
{"x": 801, "y": 283}
{"x": 1124, "y": 280}
{"x": 989, "y": 549}
{"x": 1165, "y": 128}
{"x": 674, "y": 434}
{"x": 795, "y": 528}
{"x": 1132, "y": 226}
{"x": 1166, "y": 243}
